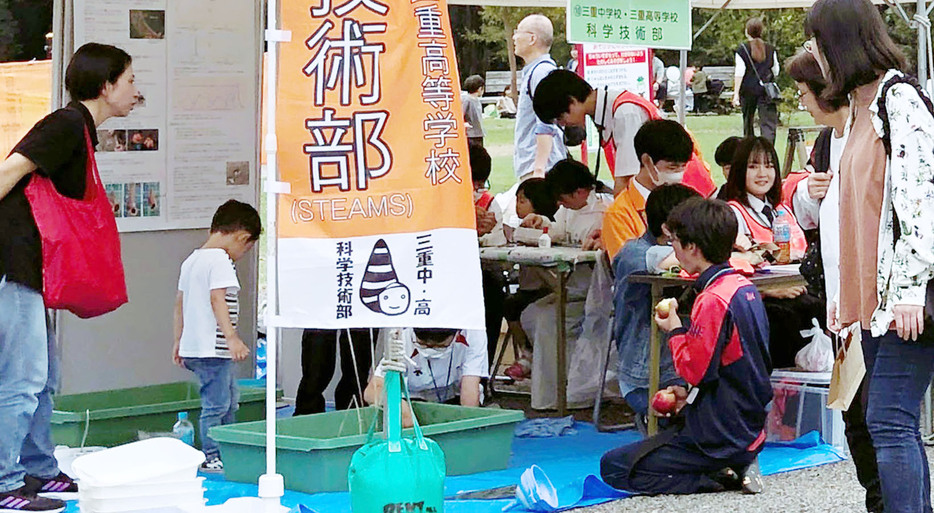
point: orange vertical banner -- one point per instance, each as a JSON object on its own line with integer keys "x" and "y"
{"x": 379, "y": 227}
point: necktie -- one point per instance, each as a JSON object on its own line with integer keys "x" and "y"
{"x": 767, "y": 211}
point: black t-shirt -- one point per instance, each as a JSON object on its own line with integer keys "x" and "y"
{"x": 750, "y": 84}
{"x": 57, "y": 147}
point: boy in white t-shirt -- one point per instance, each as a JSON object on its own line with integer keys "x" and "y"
{"x": 441, "y": 365}
{"x": 206, "y": 314}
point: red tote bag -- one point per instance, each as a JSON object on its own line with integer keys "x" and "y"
{"x": 82, "y": 269}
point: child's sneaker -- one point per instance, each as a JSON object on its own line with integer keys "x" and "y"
{"x": 22, "y": 499}
{"x": 729, "y": 479}
{"x": 212, "y": 465}
{"x": 58, "y": 484}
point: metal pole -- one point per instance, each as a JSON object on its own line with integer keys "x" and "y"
{"x": 682, "y": 66}
{"x": 709, "y": 21}
{"x": 58, "y": 52}
{"x": 923, "y": 41}
{"x": 271, "y": 484}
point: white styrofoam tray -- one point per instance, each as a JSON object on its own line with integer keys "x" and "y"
{"x": 147, "y": 461}
{"x": 141, "y": 490}
{"x": 194, "y": 507}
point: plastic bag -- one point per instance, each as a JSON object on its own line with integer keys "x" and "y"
{"x": 817, "y": 355}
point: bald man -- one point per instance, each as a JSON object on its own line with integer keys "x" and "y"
{"x": 538, "y": 146}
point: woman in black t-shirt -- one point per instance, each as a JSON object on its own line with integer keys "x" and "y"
{"x": 100, "y": 82}
{"x": 752, "y": 57}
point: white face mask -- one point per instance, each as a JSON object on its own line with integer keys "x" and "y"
{"x": 665, "y": 177}
{"x": 433, "y": 353}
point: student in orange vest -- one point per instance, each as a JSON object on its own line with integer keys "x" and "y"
{"x": 664, "y": 147}
{"x": 489, "y": 233}
{"x": 566, "y": 99}
{"x": 754, "y": 192}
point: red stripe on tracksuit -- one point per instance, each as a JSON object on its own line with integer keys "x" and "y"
{"x": 728, "y": 413}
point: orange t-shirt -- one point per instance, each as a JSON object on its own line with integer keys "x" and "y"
{"x": 624, "y": 220}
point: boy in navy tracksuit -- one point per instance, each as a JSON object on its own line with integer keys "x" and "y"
{"x": 724, "y": 357}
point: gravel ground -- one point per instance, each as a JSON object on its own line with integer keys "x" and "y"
{"x": 826, "y": 489}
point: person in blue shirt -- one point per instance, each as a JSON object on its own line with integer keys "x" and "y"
{"x": 538, "y": 146}
{"x": 632, "y": 302}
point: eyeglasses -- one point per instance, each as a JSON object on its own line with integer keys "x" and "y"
{"x": 810, "y": 46}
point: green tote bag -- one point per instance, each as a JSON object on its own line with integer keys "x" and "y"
{"x": 397, "y": 474}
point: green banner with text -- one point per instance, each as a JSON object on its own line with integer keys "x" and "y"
{"x": 647, "y": 23}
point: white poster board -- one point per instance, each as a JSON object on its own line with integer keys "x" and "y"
{"x": 192, "y": 143}
{"x": 615, "y": 66}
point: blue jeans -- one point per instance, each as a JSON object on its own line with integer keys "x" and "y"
{"x": 220, "y": 397}
{"x": 28, "y": 376}
{"x": 899, "y": 372}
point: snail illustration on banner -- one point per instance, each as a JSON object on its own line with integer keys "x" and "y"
{"x": 381, "y": 290}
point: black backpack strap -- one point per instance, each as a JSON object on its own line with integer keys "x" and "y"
{"x": 528, "y": 78}
{"x": 883, "y": 111}
{"x": 887, "y": 133}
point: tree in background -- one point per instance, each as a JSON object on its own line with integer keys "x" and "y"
{"x": 784, "y": 29}
{"x": 9, "y": 29}
{"x": 23, "y": 26}
{"x": 34, "y": 18}
{"x": 496, "y": 25}
{"x": 474, "y": 56}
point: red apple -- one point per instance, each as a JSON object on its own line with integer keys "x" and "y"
{"x": 664, "y": 402}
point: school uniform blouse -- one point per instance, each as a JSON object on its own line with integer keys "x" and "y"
{"x": 756, "y": 208}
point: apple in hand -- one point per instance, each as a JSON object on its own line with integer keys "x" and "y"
{"x": 664, "y": 402}
{"x": 663, "y": 308}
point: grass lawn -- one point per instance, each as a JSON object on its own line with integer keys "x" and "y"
{"x": 708, "y": 130}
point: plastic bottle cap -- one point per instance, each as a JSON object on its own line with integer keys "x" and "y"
{"x": 545, "y": 229}
{"x": 182, "y": 415}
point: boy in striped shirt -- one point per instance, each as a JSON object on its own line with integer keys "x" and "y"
{"x": 206, "y": 316}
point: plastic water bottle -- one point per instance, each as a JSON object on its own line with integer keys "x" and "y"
{"x": 183, "y": 429}
{"x": 781, "y": 236}
{"x": 260, "y": 357}
{"x": 544, "y": 240}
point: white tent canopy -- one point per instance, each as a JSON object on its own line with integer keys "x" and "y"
{"x": 924, "y": 36}
{"x": 702, "y": 4}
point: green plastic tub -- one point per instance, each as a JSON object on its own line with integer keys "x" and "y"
{"x": 115, "y": 417}
{"x": 313, "y": 451}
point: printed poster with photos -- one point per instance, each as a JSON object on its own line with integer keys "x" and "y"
{"x": 617, "y": 67}
{"x": 379, "y": 229}
{"x": 191, "y": 144}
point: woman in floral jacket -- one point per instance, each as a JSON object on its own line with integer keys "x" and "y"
{"x": 886, "y": 233}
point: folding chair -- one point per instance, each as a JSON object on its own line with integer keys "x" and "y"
{"x": 508, "y": 339}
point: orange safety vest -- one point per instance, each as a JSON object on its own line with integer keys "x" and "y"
{"x": 790, "y": 185}
{"x": 696, "y": 173}
{"x": 484, "y": 201}
{"x": 761, "y": 233}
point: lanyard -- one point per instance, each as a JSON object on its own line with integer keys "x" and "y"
{"x": 447, "y": 382}
{"x": 606, "y": 98}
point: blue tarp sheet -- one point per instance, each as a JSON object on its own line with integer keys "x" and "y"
{"x": 571, "y": 462}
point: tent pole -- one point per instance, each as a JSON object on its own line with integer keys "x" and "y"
{"x": 709, "y": 21}
{"x": 923, "y": 42}
{"x": 271, "y": 485}
{"x": 682, "y": 90}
